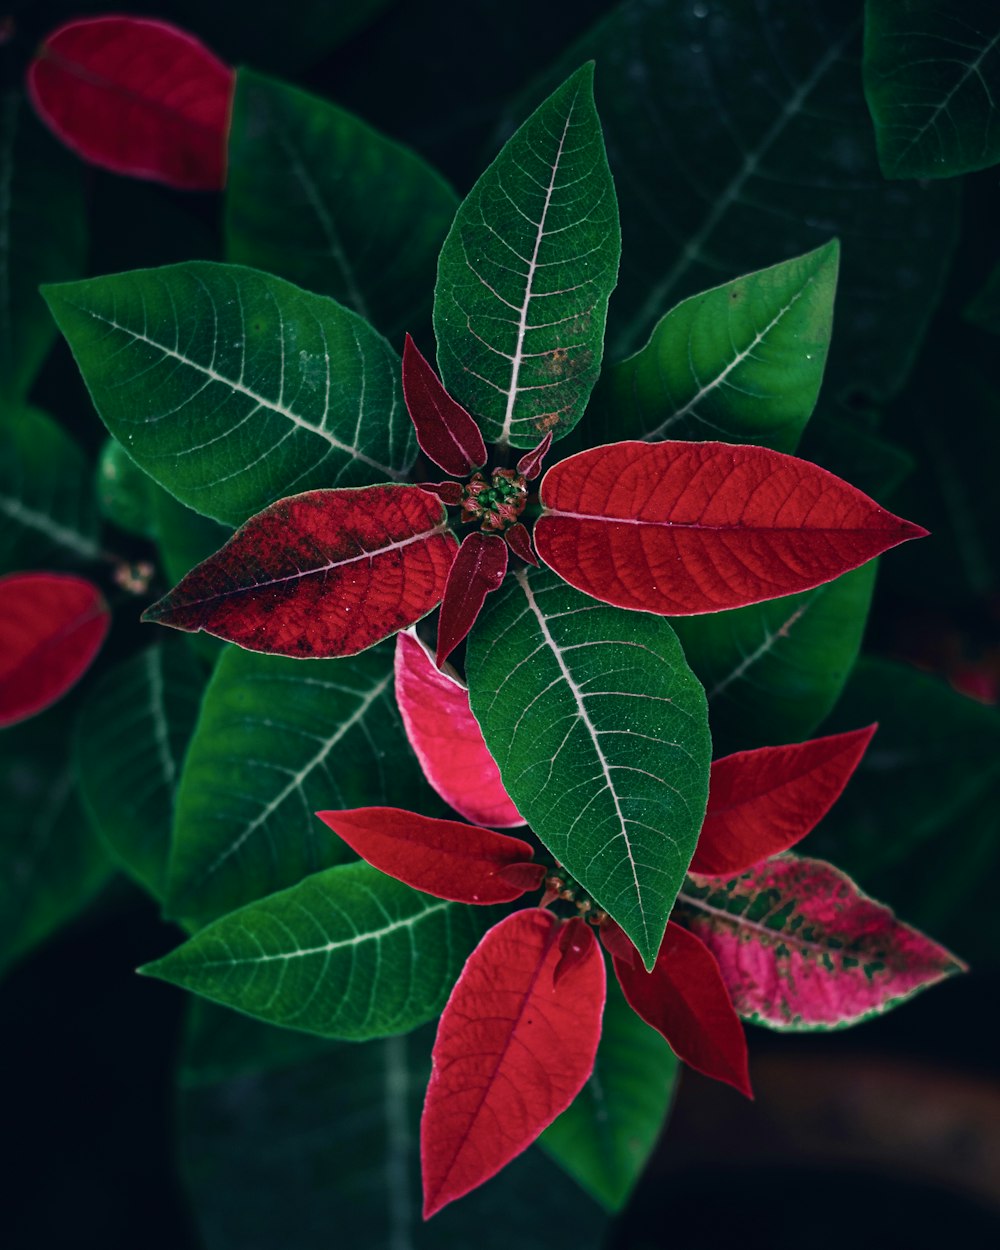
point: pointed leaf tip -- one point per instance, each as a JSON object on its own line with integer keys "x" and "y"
{"x": 478, "y": 569}
{"x": 447, "y": 434}
{"x": 530, "y": 465}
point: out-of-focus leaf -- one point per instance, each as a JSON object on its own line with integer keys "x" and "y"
{"x": 873, "y": 464}
{"x": 124, "y": 491}
{"x": 984, "y": 309}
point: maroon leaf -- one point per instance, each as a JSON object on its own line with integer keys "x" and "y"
{"x": 801, "y": 947}
{"x": 762, "y": 802}
{"x": 447, "y": 434}
{"x": 51, "y": 627}
{"x": 519, "y": 541}
{"x": 448, "y": 492}
{"x": 138, "y": 97}
{"x": 576, "y": 941}
{"x": 530, "y": 464}
{"x": 525, "y": 876}
{"x": 513, "y": 1050}
{"x": 617, "y": 943}
{"x": 325, "y": 573}
{"x": 479, "y": 568}
{"x": 450, "y": 860}
{"x": 685, "y": 999}
{"x": 447, "y": 739}
{"x": 682, "y": 528}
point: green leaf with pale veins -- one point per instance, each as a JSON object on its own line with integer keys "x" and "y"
{"x": 47, "y": 514}
{"x": 600, "y": 732}
{"x": 233, "y": 388}
{"x": 525, "y": 275}
{"x": 277, "y": 740}
{"x": 605, "y": 1137}
{"x": 131, "y": 736}
{"x": 932, "y": 80}
{"x": 315, "y": 195}
{"x": 741, "y": 363}
{"x": 773, "y": 670}
{"x": 347, "y": 953}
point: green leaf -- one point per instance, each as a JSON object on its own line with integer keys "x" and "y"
{"x": 984, "y": 308}
{"x": 47, "y": 515}
{"x": 874, "y": 465}
{"x": 526, "y": 272}
{"x": 338, "y": 1138}
{"x": 232, "y": 388}
{"x": 124, "y": 491}
{"x": 739, "y": 136}
{"x": 772, "y": 671}
{"x": 316, "y": 196}
{"x": 277, "y": 740}
{"x": 604, "y": 1139}
{"x": 131, "y": 736}
{"x": 599, "y": 729}
{"x": 741, "y": 363}
{"x": 43, "y": 236}
{"x": 347, "y": 953}
{"x": 51, "y": 862}
{"x": 932, "y": 80}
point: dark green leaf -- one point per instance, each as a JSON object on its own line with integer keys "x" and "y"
{"x": 741, "y": 363}
{"x": 347, "y": 953}
{"x": 526, "y": 272}
{"x": 984, "y": 309}
{"x": 599, "y": 729}
{"x": 277, "y": 740}
{"x": 605, "y": 1137}
{"x": 131, "y": 736}
{"x": 772, "y": 671}
{"x": 124, "y": 491}
{"x": 872, "y": 464}
{"x": 932, "y": 79}
{"x": 318, "y": 197}
{"x": 232, "y": 388}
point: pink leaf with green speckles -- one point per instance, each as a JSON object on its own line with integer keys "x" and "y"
{"x": 800, "y": 947}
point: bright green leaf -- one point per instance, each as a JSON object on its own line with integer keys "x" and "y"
{"x": 316, "y": 196}
{"x": 232, "y": 388}
{"x": 347, "y": 953}
{"x": 526, "y": 272}
{"x": 599, "y": 730}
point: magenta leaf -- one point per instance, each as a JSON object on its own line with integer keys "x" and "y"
{"x": 762, "y": 802}
{"x": 519, "y": 541}
{"x": 800, "y": 947}
{"x": 447, "y": 434}
{"x": 446, "y": 738}
{"x": 478, "y": 569}
{"x": 461, "y": 863}
{"x": 686, "y": 1000}
{"x": 682, "y": 528}
{"x": 513, "y": 1050}
{"x": 138, "y": 97}
{"x": 326, "y": 573}
{"x": 530, "y": 464}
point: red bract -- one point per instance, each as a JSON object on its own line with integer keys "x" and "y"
{"x": 441, "y": 857}
{"x": 138, "y": 97}
{"x": 51, "y": 627}
{"x": 519, "y": 541}
{"x": 762, "y": 802}
{"x": 325, "y": 573}
{"x": 513, "y": 1050}
{"x": 479, "y": 568}
{"x": 682, "y": 528}
{"x": 445, "y": 431}
{"x": 685, "y": 999}
{"x": 447, "y": 739}
{"x": 530, "y": 464}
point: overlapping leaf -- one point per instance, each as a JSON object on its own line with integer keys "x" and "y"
{"x": 525, "y": 275}
{"x": 599, "y": 730}
{"x": 347, "y": 953}
{"x": 232, "y": 388}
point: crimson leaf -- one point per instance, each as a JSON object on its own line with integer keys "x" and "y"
{"x": 445, "y": 431}
{"x": 479, "y": 568}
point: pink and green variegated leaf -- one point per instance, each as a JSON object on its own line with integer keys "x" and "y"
{"x": 447, "y": 740}
{"x": 801, "y": 948}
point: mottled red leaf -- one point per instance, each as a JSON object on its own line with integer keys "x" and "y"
{"x": 513, "y": 1050}
{"x": 441, "y": 857}
{"x": 138, "y": 97}
{"x": 685, "y": 999}
{"x": 530, "y": 464}
{"x": 51, "y": 627}
{"x": 519, "y": 541}
{"x": 325, "y": 573}
{"x": 682, "y": 528}
{"x": 762, "y": 802}
{"x": 800, "y": 947}
{"x": 447, "y": 739}
{"x": 447, "y": 434}
{"x": 479, "y": 568}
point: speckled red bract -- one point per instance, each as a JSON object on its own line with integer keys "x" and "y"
{"x": 324, "y": 573}
{"x": 682, "y": 528}
{"x": 138, "y": 97}
{"x": 479, "y": 568}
